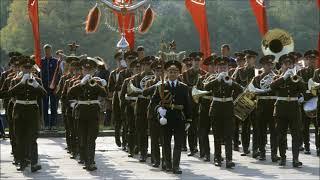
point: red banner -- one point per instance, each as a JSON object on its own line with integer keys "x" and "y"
{"x": 34, "y": 19}
{"x": 259, "y": 10}
{"x": 126, "y": 24}
{"x": 197, "y": 9}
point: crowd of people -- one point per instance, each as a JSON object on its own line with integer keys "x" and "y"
{"x": 163, "y": 98}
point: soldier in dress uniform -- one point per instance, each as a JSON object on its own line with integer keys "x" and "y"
{"x": 127, "y": 101}
{"x": 223, "y": 88}
{"x": 154, "y": 125}
{"x": 265, "y": 107}
{"x": 190, "y": 77}
{"x": 306, "y": 74}
{"x": 123, "y": 74}
{"x": 288, "y": 87}
{"x": 71, "y": 63}
{"x": 70, "y": 104}
{"x": 240, "y": 59}
{"x": 139, "y": 81}
{"x": 187, "y": 62}
{"x": 175, "y": 109}
{"x": 6, "y": 78}
{"x": 114, "y": 89}
{"x": 204, "y": 106}
{"x": 86, "y": 91}
{"x": 243, "y": 77}
{"x": 26, "y": 115}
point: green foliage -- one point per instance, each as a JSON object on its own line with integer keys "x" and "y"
{"x": 229, "y": 21}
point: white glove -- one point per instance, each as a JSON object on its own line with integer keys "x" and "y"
{"x": 35, "y": 83}
{"x": 103, "y": 82}
{"x": 301, "y": 99}
{"x": 187, "y": 126}
{"x": 123, "y": 63}
{"x": 163, "y": 121}
{"x": 229, "y": 82}
{"x": 162, "y": 111}
{"x": 25, "y": 77}
{"x": 85, "y": 79}
{"x": 287, "y": 74}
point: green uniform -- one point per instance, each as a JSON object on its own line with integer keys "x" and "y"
{"x": 88, "y": 109}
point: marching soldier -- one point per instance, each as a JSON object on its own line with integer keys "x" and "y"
{"x": 223, "y": 88}
{"x": 114, "y": 88}
{"x": 154, "y": 124}
{"x": 243, "y": 77}
{"x": 68, "y": 73}
{"x": 174, "y": 108}
{"x": 125, "y": 73}
{"x": 87, "y": 92}
{"x": 70, "y": 107}
{"x": 190, "y": 77}
{"x": 265, "y": 106}
{"x": 27, "y": 90}
{"x": 139, "y": 81}
{"x": 240, "y": 59}
{"x": 128, "y": 100}
{"x": 306, "y": 74}
{"x": 6, "y": 78}
{"x": 288, "y": 87}
{"x": 204, "y": 106}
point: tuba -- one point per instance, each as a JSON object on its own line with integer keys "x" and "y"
{"x": 277, "y": 42}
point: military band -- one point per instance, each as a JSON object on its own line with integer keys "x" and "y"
{"x": 156, "y": 96}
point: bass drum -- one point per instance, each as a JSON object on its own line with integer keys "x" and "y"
{"x": 310, "y": 107}
{"x": 244, "y": 105}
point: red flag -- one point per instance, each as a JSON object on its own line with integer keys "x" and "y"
{"x": 126, "y": 22}
{"x": 259, "y": 10}
{"x": 34, "y": 19}
{"x": 197, "y": 9}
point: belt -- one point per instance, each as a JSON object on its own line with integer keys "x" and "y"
{"x": 89, "y": 102}
{"x": 174, "y": 106}
{"x": 266, "y": 97}
{"x": 26, "y": 102}
{"x": 130, "y": 98}
{"x": 207, "y": 97}
{"x": 287, "y": 98}
{"x": 226, "y": 99}
{"x": 143, "y": 97}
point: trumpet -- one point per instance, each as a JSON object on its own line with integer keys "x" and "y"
{"x": 92, "y": 82}
{"x": 30, "y": 81}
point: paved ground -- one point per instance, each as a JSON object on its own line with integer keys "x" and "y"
{"x": 114, "y": 164}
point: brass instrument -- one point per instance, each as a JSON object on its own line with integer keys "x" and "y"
{"x": 144, "y": 80}
{"x": 92, "y": 82}
{"x": 196, "y": 94}
{"x": 267, "y": 80}
{"x": 131, "y": 89}
{"x": 30, "y": 81}
{"x": 277, "y": 42}
{"x": 313, "y": 87}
